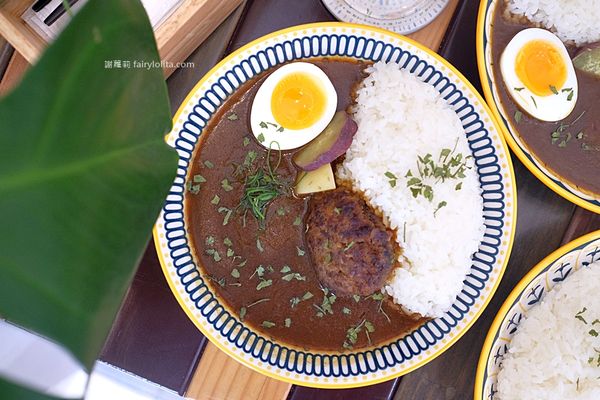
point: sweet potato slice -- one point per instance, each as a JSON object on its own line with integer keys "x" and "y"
{"x": 329, "y": 145}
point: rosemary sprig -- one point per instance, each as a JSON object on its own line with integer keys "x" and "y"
{"x": 261, "y": 187}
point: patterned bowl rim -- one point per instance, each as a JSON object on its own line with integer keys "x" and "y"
{"x": 540, "y": 268}
{"x": 556, "y": 183}
{"x": 358, "y": 360}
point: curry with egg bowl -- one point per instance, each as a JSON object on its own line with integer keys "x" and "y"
{"x": 550, "y": 97}
{"x": 258, "y": 255}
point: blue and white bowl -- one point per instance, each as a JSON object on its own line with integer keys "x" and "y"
{"x": 528, "y": 293}
{"x": 403, "y": 354}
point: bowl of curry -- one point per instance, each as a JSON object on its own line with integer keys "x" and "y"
{"x": 237, "y": 255}
{"x": 563, "y": 153}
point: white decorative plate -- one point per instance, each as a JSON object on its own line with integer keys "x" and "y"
{"x": 394, "y": 15}
{"x": 484, "y": 60}
{"x": 551, "y": 271}
{"x": 401, "y": 355}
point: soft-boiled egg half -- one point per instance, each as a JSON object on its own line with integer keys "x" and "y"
{"x": 292, "y": 106}
{"x": 539, "y": 74}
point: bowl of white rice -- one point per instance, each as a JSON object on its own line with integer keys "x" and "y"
{"x": 545, "y": 341}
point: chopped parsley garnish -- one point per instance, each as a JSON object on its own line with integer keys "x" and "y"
{"x": 300, "y": 251}
{"x": 226, "y": 185}
{"x": 353, "y": 332}
{"x": 208, "y": 164}
{"x": 377, "y": 296}
{"x": 287, "y": 323}
{"x": 261, "y": 138}
{"x": 294, "y": 301}
{"x": 293, "y": 275}
{"x": 209, "y": 241}
{"x": 392, "y": 179}
{"x": 232, "y": 117}
{"x": 214, "y": 253}
{"x": 570, "y": 94}
{"x": 215, "y": 200}
{"x": 259, "y": 271}
{"x": 518, "y": 116}
{"x": 221, "y": 281}
{"x": 227, "y": 212}
{"x": 246, "y": 141}
{"x": 553, "y": 89}
{"x": 267, "y": 324}
{"x": 579, "y": 315}
{"x": 440, "y": 205}
{"x": 199, "y": 179}
{"x": 261, "y": 186}
{"x": 297, "y": 221}
{"x": 235, "y": 273}
{"x": 307, "y": 296}
{"x": 259, "y": 245}
{"x": 285, "y": 269}
{"x": 193, "y": 189}
{"x": 264, "y": 283}
{"x": 448, "y": 166}
{"x": 325, "y": 307}
{"x": 562, "y": 136}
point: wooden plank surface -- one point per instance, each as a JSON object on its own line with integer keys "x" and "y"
{"x": 190, "y": 24}
{"x": 17, "y": 65}
{"x": 6, "y": 52}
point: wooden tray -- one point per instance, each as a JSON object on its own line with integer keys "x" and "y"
{"x": 176, "y": 37}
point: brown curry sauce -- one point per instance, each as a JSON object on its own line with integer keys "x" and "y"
{"x": 578, "y": 166}
{"x": 221, "y": 246}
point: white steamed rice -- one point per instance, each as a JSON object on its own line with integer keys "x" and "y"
{"x": 571, "y": 20}
{"x": 399, "y": 117}
{"x": 553, "y": 355}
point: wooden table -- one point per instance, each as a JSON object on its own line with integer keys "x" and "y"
{"x": 152, "y": 336}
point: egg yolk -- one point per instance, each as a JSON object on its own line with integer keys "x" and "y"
{"x": 541, "y": 68}
{"x": 298, "y": 101}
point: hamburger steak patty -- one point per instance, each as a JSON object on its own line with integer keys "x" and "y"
{"x": 351, "y": 249}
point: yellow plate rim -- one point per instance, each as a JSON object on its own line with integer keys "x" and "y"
{"x": 513, "y": 194}
{"x": 508, "y": 303}
{"x": 508, "y": 136}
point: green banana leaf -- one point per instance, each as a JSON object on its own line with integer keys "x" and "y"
{"x": 14, "y": 392}
{"x": 83, "y": 173}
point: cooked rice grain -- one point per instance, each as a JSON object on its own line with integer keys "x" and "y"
{"x": 571, "y": 20}
{"x": 399, "y": 118}
{"x": 554, "y": 355}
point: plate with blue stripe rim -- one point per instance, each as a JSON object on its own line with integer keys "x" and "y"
{"x": 527, "y": 294}
{"x": 552, "y": 180}
{"x": 401, "y": 355}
